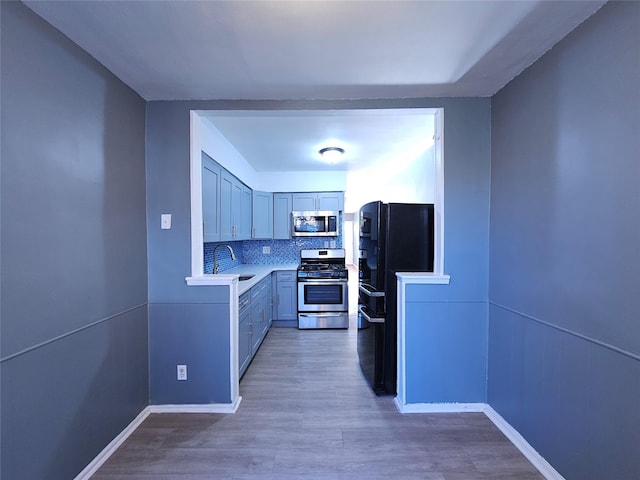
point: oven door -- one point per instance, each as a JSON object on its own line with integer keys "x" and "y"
{"x": 323, "y": 295}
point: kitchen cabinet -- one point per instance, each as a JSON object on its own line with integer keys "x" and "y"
{"x": 255, "y": 318}
{"x": 333, "y": 201}
{"x": 244, "y": 224}
{"x": 285, "y": 298}
{"x": 235, "y": 208}
{"x": 262, "y": 215}
{"x": 282, "y": 207}
{"x": 245, "y": 341}
{"x": 261, "y": 311}
{"x": 211, "y": 175}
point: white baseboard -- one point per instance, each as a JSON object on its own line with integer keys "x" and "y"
{"x": 511, "y": 433}
{"x": 109, "y": 450}
{"x": 521, "y": 444}
{"x": 104, "y": 455}
{"x": 198, "y": 408}
{"x": 438, "y": 407}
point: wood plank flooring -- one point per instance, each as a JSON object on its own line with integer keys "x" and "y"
{"x": 308, "y": 413}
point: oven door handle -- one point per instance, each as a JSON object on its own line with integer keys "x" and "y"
{"x": 323, "y": 281}
{"x": 319, "y": 314}
{"x": 368, "y": 318}
{"x": 370, "y": 291}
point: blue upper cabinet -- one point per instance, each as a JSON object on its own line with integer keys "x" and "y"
{"x": 211, "y": 173}
{"x": 262, "y": 214}
{"x": 282, "y": 208}
{"x": 305, "y": 201}
{"x": 245, "y": 218}
{"x": 235, "y": 209}
{"x": 227, "y": 185}
{"x": 333, "y": 201}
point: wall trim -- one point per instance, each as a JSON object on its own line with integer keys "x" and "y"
{"x": 110, "y": 449}
{"x": 439, "y": 407}
{"x": 71, "y": 332}
{"x": 521, "y": 444}
{"x": 569, "y": 332}
{"x": 511, "y": 433}
{"x": 198, "y": 407}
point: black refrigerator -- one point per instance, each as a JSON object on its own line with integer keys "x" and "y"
{"x": 394, "y": 237}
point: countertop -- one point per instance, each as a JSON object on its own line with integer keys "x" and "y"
{"x": 228, "y": 277}
{"x": 260, "y": 272}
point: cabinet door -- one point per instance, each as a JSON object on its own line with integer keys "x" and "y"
{"x": 282, "y": 216}
{"x": 243, "y": 231}
{"x": 305, "y": 201}
{"x": 286, "y": 300}
{"x": 245, "y": 341}
{"x": 333, "y": 201}
{"x": 227, "y": 182}
{"x": 268, "y": 306}
{"x": 256, "y": 319}
{"x": 236, "y": 206}
{"x": 262, "y": 215}
{"x": 210, "y": 199}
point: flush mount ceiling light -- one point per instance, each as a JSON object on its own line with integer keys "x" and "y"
{"x": 331, "y": 154}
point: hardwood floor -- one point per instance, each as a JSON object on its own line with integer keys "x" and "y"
{"x": 308, "y": 413}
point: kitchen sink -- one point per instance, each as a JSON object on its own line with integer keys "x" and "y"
{"x": 242, "y": 278}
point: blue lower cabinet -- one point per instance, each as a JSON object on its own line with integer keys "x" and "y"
{"x": 255, "y": 318}
{"x": 285, "y": 300}
{"x": 245, "y": 342}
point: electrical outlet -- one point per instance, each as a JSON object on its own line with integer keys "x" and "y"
{"x": 266, "y": 250}
{"x": 182, "y": 372}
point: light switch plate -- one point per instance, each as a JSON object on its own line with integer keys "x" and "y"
{"x": 266, "y": 250}
{"x": 165, "y": 221}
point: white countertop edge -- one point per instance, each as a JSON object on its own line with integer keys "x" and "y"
{"x": 229, "y": 276}
{"x": 219, "y": 279}
{"x": 423, "y": 278}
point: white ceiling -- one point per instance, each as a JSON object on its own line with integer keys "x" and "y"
{"x": 290, "y": 140}
{"x": 306, "y": 49}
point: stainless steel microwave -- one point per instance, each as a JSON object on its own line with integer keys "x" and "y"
{"x": 315, "y": 224}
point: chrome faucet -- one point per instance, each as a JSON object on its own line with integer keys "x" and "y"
{"x": 215, "y": 263}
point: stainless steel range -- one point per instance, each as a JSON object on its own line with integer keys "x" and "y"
{"x": 323, "y": 299}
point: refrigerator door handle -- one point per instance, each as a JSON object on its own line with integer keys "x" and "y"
{"x": 369, "y": 319}
{"x": 370, "y": 291}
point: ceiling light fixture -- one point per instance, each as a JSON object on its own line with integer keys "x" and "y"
{"x": 331, "y": 154}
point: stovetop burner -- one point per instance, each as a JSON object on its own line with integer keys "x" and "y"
{"x": 321, "y": 266}
{"x": 328, "y": 263}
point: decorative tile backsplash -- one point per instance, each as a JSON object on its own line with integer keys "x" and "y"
{"x": 251, "y": 251}
{"x": 222, "y": 256}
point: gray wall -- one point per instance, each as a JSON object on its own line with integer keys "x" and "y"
{"x": 447, "y": 325}
{"x": 74, "y": 273}
{"x": 172, "y": 302}
{"x": 564, "y": 341}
